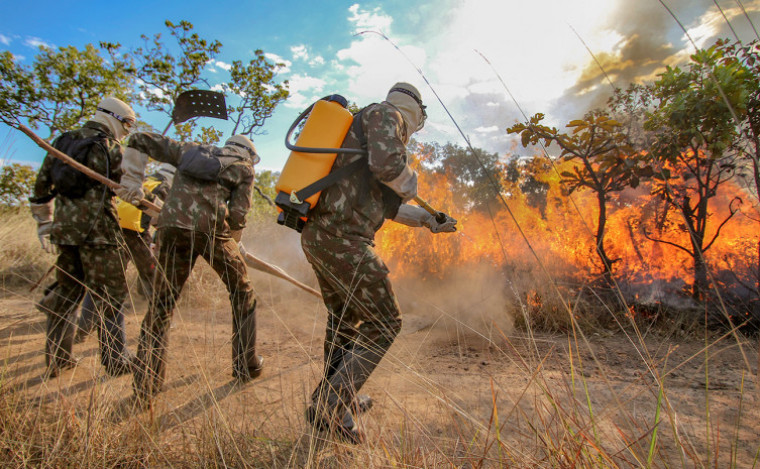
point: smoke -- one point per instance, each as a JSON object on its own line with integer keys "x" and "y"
{"x": 473, "y": 300}
{"x": 651, "y": 40}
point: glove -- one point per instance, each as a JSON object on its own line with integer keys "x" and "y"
{"x": 447, "y": 225}
{"x": 412, "y": 215}
{"x": 133, "y": 172}
{"x": 43, "y": 215}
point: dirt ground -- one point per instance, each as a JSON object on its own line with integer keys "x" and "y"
{"x": 458, "y": 378}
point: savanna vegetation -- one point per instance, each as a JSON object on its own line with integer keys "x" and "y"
{"x": 597, "y": 308}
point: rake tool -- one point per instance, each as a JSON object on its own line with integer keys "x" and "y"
{"x": 256, "y": 263}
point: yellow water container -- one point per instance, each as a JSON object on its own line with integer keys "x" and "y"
{"x": 130, "y": 217}
{"x": 325, "y": 128}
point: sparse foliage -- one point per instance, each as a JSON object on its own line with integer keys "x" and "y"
{"x": 694, "y": 138}
{"x": 16, "y": 183}
{"x": 606, "y": 163}
{"x": 62, "y": 87}
{"x": 163, "y": 75}
{"x": 259, "y": 93}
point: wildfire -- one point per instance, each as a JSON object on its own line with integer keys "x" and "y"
{"x": 561, "y": 236}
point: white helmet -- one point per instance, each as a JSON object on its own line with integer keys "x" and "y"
{"x": 116, "y": 115}
{"x": 241, "y": 141}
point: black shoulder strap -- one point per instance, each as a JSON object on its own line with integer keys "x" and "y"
{"x": 321, "y": 184}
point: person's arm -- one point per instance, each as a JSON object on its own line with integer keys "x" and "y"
{"x": 140, "y": 146}
{"x": 388, "y": 160}
{"x": 411, "y": 215}
{"x": 240, "y": 200}
{"x": 41, "y": 203}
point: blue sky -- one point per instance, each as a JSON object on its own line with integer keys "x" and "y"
{"x": 538, "y": 48}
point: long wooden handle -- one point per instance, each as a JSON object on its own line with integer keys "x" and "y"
{"x": 80, "y": 167}
{"x": 439, "y": 216}
{"x": 265, "y": 267}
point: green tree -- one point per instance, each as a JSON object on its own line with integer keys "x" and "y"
{"x": 163, "y": 75}
{"x": 748, "y": 117}
{"x": 606, "y": 163}
{"x": 472, "y": 176}
{"x": 263, "y": 200}
{"x": 16, "y": 184}
{"x": 259, "y": 94}
{"x": 63, "y": 86}
{"x": 694, "y": 137}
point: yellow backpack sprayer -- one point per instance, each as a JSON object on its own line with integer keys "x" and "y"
{"x": 307, "y": 170}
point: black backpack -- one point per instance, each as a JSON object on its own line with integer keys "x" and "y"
{"x": 205, "y": 162}
{"x": 69, "y": 181}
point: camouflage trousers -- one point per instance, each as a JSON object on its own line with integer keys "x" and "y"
{"x": 100, "y": 270}
{"x": 138, "y": 250}
{"x": 178, "y": 251}
{"x": 363, "y": 319}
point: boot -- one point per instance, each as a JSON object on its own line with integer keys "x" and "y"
{"x": 57, "y": 366}
{"x": 246, "y": 365}
{"x": 251, "y": 372}
{"x": 122, "y": 366}
{"x": 345, "y": 429}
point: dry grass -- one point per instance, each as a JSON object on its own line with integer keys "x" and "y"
{"x": 460, "y": 388}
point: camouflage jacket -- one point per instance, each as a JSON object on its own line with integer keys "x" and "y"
{"x": 354, "y": 206}
{"x": 91, "y": 219}
{"x": 216, "y": 207}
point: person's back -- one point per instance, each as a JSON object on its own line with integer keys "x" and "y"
{"x": 215, "y": 205}
{"x": 206, "y": 206}
{"x": 91, "y": 218}
{"x": 357, "y": 205}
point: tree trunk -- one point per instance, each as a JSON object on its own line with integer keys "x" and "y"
{"x": 600, "y": 228}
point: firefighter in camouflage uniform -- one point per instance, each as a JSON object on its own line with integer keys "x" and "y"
{"x": 83, "y": 225}
{"x": 363, "y": 313}
{"x": 137, "y": 238}
{"x": 203, "y": 215}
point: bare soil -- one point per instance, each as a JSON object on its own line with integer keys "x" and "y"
{"x": 458, "y": 378}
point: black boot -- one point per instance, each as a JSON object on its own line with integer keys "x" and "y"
{"x": 251, "y": 372}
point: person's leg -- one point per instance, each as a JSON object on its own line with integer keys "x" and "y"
{"x": 176, "y": 258}
{"x": 363, "y": 320}
{"x": 224, "y": 257}
{"x": 138, "y": 248}
{"x": 60, "y": 305}
{"x": 88, "y": 318}
{"x": 104, "y": 277}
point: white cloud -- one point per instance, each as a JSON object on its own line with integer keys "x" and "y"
{"x": 223, "y": 65}
{"x": 287, "y": 64}
{"x": 487, "y": 130}
{"x": 318, "y": 60}
{"x": 371, "y": 63}
{"x": 299, "y": 52}
{"x": 5, "y": 39}
{"x": 304, "y": 90}
{"x": 221, "y": 87}
{"x": 369, "y": 20}
{"x": 36, "y": 42}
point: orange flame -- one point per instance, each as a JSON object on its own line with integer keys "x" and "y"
{"x": 562, "y": 237}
